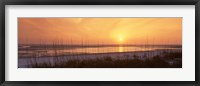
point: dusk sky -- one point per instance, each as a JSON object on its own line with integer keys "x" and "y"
{"x": 100, "y": 30}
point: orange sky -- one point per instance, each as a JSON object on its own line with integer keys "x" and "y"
{"x": 100, "y": 30}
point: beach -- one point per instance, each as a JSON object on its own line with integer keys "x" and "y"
{"x": 24, "y": 62}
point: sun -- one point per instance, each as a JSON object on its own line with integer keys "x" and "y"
{"x": 120, "y": 39}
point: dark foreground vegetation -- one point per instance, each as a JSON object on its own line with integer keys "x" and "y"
{"x": 167, "y": 60}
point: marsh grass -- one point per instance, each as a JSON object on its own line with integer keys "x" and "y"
{"x": 108, "y": 62}
{"x": 164, "y": 60}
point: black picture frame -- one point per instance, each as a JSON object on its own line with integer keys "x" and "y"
{"x": 3, "y": 3}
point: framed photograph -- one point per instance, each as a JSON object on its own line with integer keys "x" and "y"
{"x": 108, "y": 42}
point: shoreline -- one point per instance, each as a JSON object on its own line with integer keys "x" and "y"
{"x": 24, "y": 62}
{"x": 157, "y": 50}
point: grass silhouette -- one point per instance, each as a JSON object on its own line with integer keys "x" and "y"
{"x": 108, "y": 62}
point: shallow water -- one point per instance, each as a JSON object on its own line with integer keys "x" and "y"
{"x": 39, "y": 51}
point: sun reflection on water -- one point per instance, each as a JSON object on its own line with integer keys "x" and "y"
{"x": 121, "y": 49}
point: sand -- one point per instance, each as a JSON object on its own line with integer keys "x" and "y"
{"x": 24, "y": 62}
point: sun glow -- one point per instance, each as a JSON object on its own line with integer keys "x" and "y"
{"x": 120, "y": 39}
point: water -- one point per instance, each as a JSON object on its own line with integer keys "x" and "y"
{"x": 61, "y": 50}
